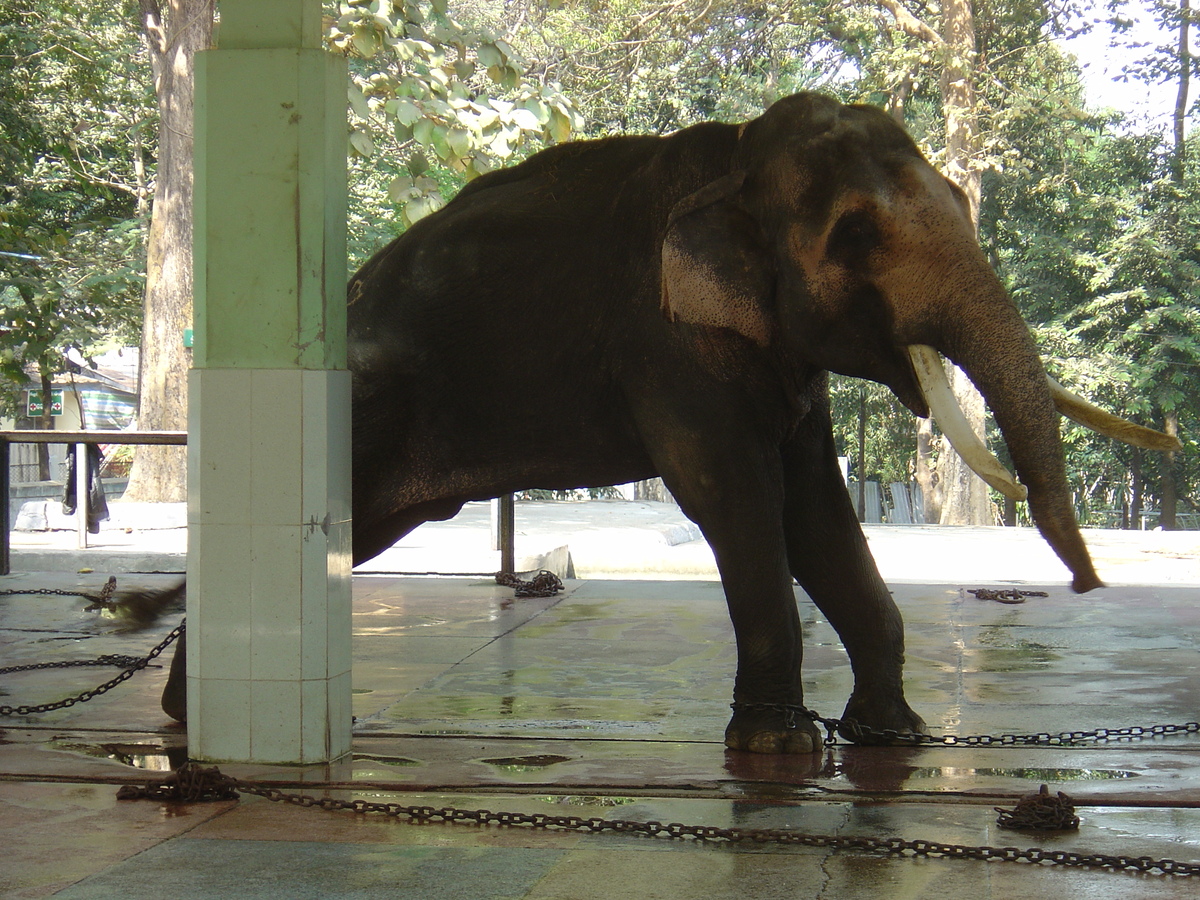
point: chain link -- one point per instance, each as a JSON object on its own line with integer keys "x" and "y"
{"x": 131, "y": 666}
{"x": 193, "y": 782}
{"x": 1039, "y": 739}
{"x": 1005, "y": 596}
{"x": 1040, "y": 812}
{"x": 544, "y": 584}
{"x": 101, "y": 600}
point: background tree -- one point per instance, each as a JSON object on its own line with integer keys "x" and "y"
{"x": 172, "y": 31}
{"x": 1090, "y": 220}
{"x": 73, "y": 135}
{"x": 421, "y": 86}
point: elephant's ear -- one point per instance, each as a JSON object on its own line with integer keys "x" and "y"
{"x": 715, "y": 271}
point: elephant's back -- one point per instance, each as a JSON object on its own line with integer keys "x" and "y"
{"x": 560, "y": 253}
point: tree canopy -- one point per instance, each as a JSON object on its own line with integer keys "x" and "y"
{"x": 75, "y": 141}
{"x": 1091, "y": 219}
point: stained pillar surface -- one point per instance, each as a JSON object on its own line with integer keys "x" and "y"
{"x": 269, "y": 417}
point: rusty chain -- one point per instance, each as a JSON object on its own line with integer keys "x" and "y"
{"x": 793, "y": 711}
{"x": 1040, "y": 812}
{"x": 1005, "y": 596}
{"x": 103, "y": 600}
{"x": 131, "y": 665}
{"x": 193, "y": 782}
{"x": 544, "y": 584}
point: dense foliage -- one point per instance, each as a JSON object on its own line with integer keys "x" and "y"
{"x": 76, "y": 139}
{"x": 1092, "y": 221}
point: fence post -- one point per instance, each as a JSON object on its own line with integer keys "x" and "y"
{"x": 508, "y": 533}
{"x": 81, "y": 494}
{"x": 5, "y": 524}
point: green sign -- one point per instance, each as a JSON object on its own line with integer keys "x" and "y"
{"x": 35, "y": 407}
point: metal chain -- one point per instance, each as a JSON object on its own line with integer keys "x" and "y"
{"x": 132, "y": 665}
{"x": 108, "y": 659}
{"x": 1005, "y": 596}
{"x": 1040, "y": 812}
{"x": 892, "y": 736}
{"x": 103, "y": 599}
{"x": 1061, "y": 739}
{"x": 544, "y": 584}
{"x": 193, "y": 782}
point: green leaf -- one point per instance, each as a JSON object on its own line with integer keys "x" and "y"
{"x": 440, "y": 141}
{"x": 459, "y": 140}
{"x": 367, "y": 41}
{"x": 423, "y": 132}
{"x": 525, "y": 119}
{"x": 560, "y": 126}
{"x": 419, "y": 208}
{"x": 490, "y": 56}
{"x": 400, "y": 187}
{"x": 539, "y": 109}
{"x": 418, "y": 165}
{"x": 510, "y": 78}
{"x": 358, "y": 101}
{"x": 499, "y": 146}
{"x": 361, "y": 143}
{"x": 407, "y": 112}
{"x": 403, "y": 133}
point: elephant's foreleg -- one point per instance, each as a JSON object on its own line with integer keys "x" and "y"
{"x": 734, "y": 496}
{"x": 828, "y": 555}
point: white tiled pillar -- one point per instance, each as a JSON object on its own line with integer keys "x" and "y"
{"x": 268, "y": 643}
{"x": 269, "y": 545}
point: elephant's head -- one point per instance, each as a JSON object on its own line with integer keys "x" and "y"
{"x": 834, "y": 244}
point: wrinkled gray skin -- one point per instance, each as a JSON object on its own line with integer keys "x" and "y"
{"x": 612, "y": 310}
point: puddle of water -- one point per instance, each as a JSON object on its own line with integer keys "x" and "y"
{"x": 518, "y": 764}
{"x": 401, "y": 761}
{"x": 150, "y": 757}
{"x": 1047, "y": 775}
{"x": 571, "y": 800}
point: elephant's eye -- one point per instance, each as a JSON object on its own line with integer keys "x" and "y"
{"x": 853, "y": 237}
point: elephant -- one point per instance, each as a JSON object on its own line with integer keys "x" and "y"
{"x": 673, "y": 305}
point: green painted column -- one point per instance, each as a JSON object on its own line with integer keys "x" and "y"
{"x": 269, "y": 419}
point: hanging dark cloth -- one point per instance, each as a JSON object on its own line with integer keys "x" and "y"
{"x": 97, "y": 503}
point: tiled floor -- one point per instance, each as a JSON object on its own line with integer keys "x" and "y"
{"x": 610, "y": 701}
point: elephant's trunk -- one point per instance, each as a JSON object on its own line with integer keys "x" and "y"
{"x": 1000, "y": 358}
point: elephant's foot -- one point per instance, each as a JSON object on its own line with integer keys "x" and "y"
{"x": 772, "y": 728}
{"x": 879, "y": 715}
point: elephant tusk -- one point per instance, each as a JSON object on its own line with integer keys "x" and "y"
{"x": 944, "y": 408}
{"x": 1102, "y": 421}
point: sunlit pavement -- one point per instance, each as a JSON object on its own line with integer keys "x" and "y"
{"x": 610, "y": 701}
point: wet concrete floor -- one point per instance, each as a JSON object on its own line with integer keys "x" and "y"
{"x": 610, "y": 701}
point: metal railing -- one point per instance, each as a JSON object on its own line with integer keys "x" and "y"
{"x": 503, "y": 519}
{"x": 80, "y": 440}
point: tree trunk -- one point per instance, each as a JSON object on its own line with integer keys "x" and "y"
{"x": 47, "y": 423}
{"x": 173, "y": 30}
{"x": 652, "y": 489}
{"x": 965, "y": 499}
{"x": 956, "y": 44}
{"x": 1168, "y": 497}
{"x": 1135, "y": 501}
{"x": 862, "y": 454}
{"x": 926, "y": 472}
